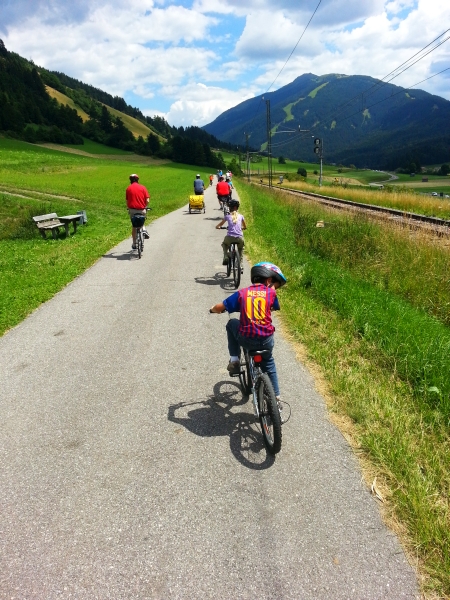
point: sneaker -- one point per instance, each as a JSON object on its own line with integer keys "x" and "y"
{"x": 145, "y": 234}
{"x": 234, "y": 368}
{"x": 225, "y": 261}
{"x": 133, "y": 247}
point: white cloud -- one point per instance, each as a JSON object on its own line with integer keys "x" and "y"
{"x": 164, "y": 51}
{"x": 199, "y": 104}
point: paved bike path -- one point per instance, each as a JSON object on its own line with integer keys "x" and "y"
{"x": 133, "y": 469}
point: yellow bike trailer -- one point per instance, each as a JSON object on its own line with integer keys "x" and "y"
{"x": 196, "y": 203}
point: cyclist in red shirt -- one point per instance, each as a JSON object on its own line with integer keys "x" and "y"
{"x": 137, "y": 198}
{"x": 222, "y": 191}
{"x": 254, "y": 329}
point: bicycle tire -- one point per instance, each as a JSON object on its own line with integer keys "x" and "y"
{"x": 236, "y": 268}
{"x": 230, "y": 261}
{"x": 269, "y": 415}
{"x": 139, "y": 241}
{"x": 244, "y": 378}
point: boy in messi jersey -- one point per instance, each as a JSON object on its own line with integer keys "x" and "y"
{"x": 254, "y": 329}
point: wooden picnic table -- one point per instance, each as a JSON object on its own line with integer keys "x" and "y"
{"x": 75, "y": 219}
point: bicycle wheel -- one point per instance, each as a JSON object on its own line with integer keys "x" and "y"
{"x": 139, "y": 242}
{"x": 244, "y": 377}
{"x": 236, "y": 268}
{"x": 230, "y": 261}
{"x": 269, "y": 415}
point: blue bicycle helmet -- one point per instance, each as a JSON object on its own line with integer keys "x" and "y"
{"x": 263, "y": 270}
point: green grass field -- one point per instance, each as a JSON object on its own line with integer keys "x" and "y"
{"x": 35, "y": 180}
{"x": 92, "y": 147}
{"x": 344, "y": 175}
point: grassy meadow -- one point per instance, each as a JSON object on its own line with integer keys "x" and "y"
{"x": 336, "y": 176}
{"x": 390, "y": 196}
{"x": 35, "y": 180}
{"x": 63, "y": 99}
{"x": 368, "y": 307}
{"x": 92, "y": 147}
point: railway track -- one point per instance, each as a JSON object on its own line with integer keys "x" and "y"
{"x": 434, "y": 224}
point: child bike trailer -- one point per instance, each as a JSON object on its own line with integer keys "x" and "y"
{"x": 196, "y": 203}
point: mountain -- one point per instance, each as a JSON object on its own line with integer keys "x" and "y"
{"x": 38, "y": 105}
{"x": 361, "y": 121}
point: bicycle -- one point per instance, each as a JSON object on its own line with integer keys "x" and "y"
{"x": 138, "y": 221}
{"x": 234, "y": 264}
{"x": 257, "y": 384}
{"x": 223, "y": 203}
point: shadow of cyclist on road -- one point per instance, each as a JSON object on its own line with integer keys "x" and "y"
{"x": 220, "y": 278}
{"x": 221, "y": 415}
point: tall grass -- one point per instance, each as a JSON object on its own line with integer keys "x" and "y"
{"x": 408, "y": 264}
{"x": 344, "y": 268}
{"x": 392, "y": 197}
{"x": 386, "y": 359}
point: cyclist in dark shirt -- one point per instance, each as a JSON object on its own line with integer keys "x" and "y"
{"x": 254, "y": 329}
{"x": 199, "y": 186}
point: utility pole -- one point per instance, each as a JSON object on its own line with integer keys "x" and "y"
{"x": 318, "y": 149}
{"x": 248, "y": 155}
{"x": 269, "y": 142}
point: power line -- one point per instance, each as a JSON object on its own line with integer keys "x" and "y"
{"x": 370, "y": 106}
{"x": 299, "y": 39}
{"x": 289, "y": 57}
{"x": 381, "y": 83}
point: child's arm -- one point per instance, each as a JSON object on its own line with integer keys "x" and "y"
{"x": 219, "y": 225}
{"x": 218, "y": 308}
{"x": 244, "y": 224}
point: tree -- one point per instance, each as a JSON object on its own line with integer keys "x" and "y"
{"x": 281, "y": 160}
{"x": 234, "y": 167}
{"x": 106, "y": 121}
{"x": 302, "y": 171}
{"x": 444, "y": 170}
{"x": 153, "y": 143}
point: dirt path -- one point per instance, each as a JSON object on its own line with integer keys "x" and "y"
{"x": 122, "y": 157}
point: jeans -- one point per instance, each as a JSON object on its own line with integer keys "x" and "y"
{"x": 239, "y": 241}
{"x": 236, "y": 341}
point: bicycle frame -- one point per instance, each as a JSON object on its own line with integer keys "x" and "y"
{"x": 254, "y": 371}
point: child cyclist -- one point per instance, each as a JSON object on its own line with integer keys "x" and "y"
{"x": 254, "y": 329}
{"x": 235, "y": 226}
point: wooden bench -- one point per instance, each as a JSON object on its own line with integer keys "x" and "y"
{"x": 53, "y": 223}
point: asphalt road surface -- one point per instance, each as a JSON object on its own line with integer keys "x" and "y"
{"x": 132, "y": 467}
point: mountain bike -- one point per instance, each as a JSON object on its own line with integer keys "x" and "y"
{"x": 223, "y": 203}
{"x": 257, "y": 384}
{"x": 234, "y": 264}
{"x": 138, "y": 221}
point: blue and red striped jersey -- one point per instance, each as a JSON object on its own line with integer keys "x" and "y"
{"x": 254, "y": 304}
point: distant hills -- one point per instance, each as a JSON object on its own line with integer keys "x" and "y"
{"x": 361, "y": 120}
{"x": 38, "y": 105}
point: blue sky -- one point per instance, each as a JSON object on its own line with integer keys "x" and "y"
{"x": 190, "y": 60}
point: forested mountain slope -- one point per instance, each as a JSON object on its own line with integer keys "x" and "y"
{"x": 38, "y": 105}
{"x": 361, "y": 120}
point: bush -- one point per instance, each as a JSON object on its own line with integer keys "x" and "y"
{"x": 302, "y": 171}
